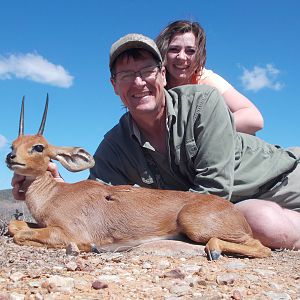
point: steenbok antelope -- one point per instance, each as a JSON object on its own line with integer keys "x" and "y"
{"x": 99, "y": 216}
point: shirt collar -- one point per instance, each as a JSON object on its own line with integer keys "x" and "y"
{"x": 171, "y": 115}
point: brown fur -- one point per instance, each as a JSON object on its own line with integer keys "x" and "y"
{"x": 91, "y": 213}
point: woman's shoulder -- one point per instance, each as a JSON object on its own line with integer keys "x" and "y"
{"x": 211, "y": 78}
{"x": 206, "y": 74}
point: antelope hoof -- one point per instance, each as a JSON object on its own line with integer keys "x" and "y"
{"x": 94, "y": 249}
{"x": 213, "y": 255}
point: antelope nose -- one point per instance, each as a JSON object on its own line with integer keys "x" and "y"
{"x": 10, "y": 156}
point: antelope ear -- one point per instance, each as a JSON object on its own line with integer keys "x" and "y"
{"x": 74, "y": 159}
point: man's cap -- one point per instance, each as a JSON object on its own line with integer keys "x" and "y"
{"x": 131, "y": 41}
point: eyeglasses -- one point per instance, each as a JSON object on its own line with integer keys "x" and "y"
{"x": 146, "y": 73}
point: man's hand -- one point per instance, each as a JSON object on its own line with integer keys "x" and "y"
{"x": 18, "y": 180}
{"x": 52, "y": 168}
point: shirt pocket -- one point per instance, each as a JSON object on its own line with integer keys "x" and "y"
{"x": 191, "y": 149}
{"x": 185, "y": 154}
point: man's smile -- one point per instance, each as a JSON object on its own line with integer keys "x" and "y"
{"x": 142, "y": 94}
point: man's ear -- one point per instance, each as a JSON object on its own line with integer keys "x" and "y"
{"x": 74, "y": 159}
{"x": 113, "y": 82}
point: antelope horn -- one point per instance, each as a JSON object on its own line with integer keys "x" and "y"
{"x": 21, "y": 123}
{"x": 41, "y": 130}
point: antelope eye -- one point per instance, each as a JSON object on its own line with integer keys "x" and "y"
{"x": 38, "y": 148}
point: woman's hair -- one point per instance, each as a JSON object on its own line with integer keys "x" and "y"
{"x": 182, "y": 26}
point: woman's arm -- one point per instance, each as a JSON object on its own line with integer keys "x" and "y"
{"x": 247, "y": 117}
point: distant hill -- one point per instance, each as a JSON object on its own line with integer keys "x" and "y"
{"x": 6, "y": 195}
{"x": 8, "y": 207}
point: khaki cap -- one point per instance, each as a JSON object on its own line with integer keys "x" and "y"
{"x": 131, "y": 41}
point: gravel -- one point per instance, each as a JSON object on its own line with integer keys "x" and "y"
{"x": 152, "y": 271}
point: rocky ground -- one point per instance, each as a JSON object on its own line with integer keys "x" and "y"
{"x": 147, "y": 272}
{"x": 172, "y": 270}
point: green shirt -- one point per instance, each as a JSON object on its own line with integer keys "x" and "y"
{"x": 205, "y": 153}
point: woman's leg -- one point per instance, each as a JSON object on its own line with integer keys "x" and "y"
{"x": 274, "y": 226}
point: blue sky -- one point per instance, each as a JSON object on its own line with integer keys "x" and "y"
{"x": 61, "y": 47}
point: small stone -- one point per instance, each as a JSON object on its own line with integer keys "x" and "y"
{"x": 252, "y": 278}
{"x": 263, "y": 272}
{"x": 38, "y": 296}
{"x": 34, "y": 274}
{"x": 147, "y": 265}
{"x": 235, "y": 265}
{"x": 34, "y": 284}
{"x": 16, "y": 276}
{"x": 4, "y": 296}
{"x": 191, "y": 280}
{"x": 164, "y": 264}
{"x": 16, "y": 296}
{"x": 275, "y": 286}
{"x": 180, "y": 290}
{"x": 236, "y": 295}
{"x": 135, "y": 272}
{"x": 155, "y": 279}
{"x": 72, "y": 250}
{"x": 71, "y": 266}
{"x": 226, "y": 279}
{"x": 58, "y": 268}
{"x": 191, "y": 268}
{"x": 176, "y": 273}
{"x": 82, "y": 265}
{"x": 59, "y": 284}
{"x": 202, "y": 282}
{"x": 277, "y": 296}
{"x": 117, "y": 257}
{"x": 197, "y": 295}
{"x": 99, "y": 285}
{"x": 82, "y": 284}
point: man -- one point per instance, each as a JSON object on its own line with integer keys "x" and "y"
{"x": 185, "y": 139}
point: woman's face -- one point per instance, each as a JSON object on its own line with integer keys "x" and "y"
{"x": 180, "y": 59}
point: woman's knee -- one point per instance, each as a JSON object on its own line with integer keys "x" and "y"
{"x": 268, "y": 222}
{"x": 260, "y": 212}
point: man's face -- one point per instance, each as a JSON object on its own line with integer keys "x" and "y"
{"x": 140, "y": 96}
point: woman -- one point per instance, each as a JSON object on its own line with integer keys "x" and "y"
{"x": 183, "y": 48}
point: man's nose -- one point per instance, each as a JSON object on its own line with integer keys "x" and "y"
{"x": 138, "y": 80}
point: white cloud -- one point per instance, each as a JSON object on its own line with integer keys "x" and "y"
{"x": 259, "y": 78}
{"x": 3, "y": 142}
{"x": 34, "y": 67}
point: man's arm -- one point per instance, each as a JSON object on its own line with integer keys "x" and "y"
{"x": 107, "y": 165}
{"x": 214, "y": 134}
